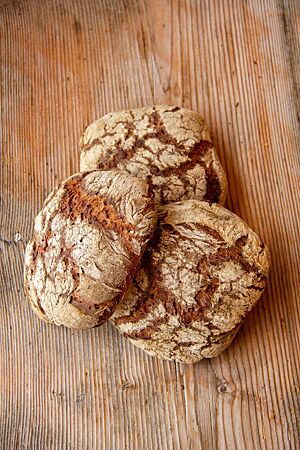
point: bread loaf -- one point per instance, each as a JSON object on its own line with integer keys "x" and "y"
{"x": 203, "y": 271}
{"x": 87, "y": 243}
{"x": 170, "y": 147}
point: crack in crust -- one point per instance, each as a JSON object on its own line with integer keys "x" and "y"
{"x": 196, "y": 283}
{"x": 181, "y": 160}
{"x": 93, "y": 228}
{"x": 97, "y": 211}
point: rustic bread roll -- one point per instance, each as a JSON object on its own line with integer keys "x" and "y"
{"x": 171, "y": 147}
{"x": 202, "y": 272}
{"x": 87, "y": 243}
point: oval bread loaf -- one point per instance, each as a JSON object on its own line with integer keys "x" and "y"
{"x": 87, "y": 243}
{"x": 170, "y": 147}
{"x": 203, "y": 271}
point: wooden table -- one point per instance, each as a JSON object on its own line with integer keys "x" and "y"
{"x": 65, "y": 63}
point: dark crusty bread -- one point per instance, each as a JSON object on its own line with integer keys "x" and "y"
{"x": 203, "y": 271}
{"x": 87, "y": 243}
{"x": 170, "y": 147}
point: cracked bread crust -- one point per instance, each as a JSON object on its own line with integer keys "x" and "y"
{"x": 87, "y": 243}
{"x": 170, "y": 147}
{"x": 203, "y": 271}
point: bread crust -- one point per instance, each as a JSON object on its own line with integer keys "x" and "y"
{"x": 203, "y": 271}
{"x": 168, "y": 146}
{"x": 87, "y": 243}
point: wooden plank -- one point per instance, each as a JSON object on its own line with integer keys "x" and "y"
{"x": 63, "y": 64}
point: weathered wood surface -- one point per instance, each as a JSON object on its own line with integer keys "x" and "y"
{"x": 63, "y": 64}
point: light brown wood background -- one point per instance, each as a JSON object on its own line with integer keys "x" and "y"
{"x": 65, "y": 63}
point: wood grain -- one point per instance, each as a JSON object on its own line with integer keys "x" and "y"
{"x": 63, "y": 64}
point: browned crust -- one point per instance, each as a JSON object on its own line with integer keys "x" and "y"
{"x": 96, "y": 210}
{"x": 157, "y": 294}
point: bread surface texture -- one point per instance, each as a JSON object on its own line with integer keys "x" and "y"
{"x": 170, "y": 147}
{"x": 87, "y": 243}
{"x": 203, "y": 271}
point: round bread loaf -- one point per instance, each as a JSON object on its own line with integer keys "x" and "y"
{"x": 87, "y": 243}
{"x": 170, "y": 147}
{"x": 202, "y": 272}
